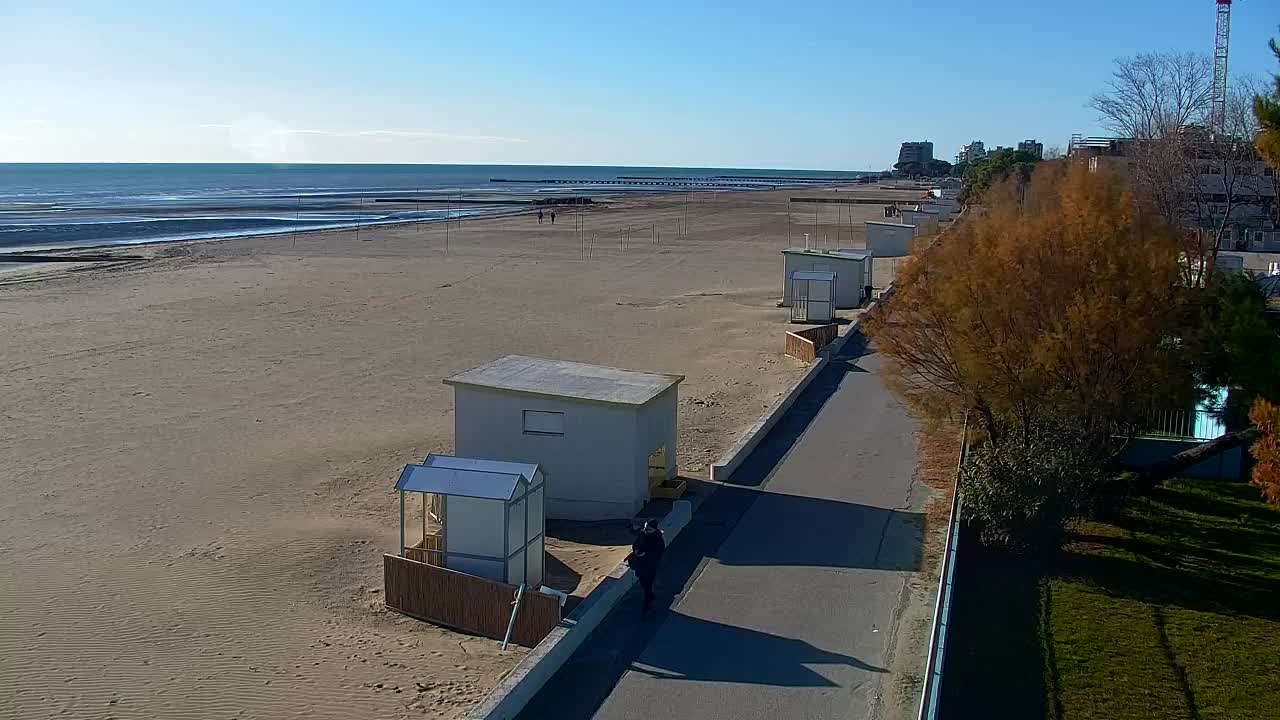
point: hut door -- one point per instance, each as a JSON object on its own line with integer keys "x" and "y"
{"x": 821, "y": 302}
{"x": 799, "y": 300}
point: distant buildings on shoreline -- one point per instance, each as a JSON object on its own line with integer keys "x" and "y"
{"x": 919, "y": 152}
{"x": 1033, "y": 147}
{"x": 1222, "y": 183}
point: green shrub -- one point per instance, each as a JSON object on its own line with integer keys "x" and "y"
{"x": 1024, "y": 493}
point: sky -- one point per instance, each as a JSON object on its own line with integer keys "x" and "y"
{"x": 812, "y": 85}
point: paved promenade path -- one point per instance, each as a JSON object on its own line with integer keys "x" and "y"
{"x": 778, "y": 599}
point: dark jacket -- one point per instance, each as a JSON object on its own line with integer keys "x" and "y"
{"x": 646, "y": 552}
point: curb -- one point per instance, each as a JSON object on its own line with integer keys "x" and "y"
{"x": 524, "y": 681}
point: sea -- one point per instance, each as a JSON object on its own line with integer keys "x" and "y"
{"x": 58, "y": 206}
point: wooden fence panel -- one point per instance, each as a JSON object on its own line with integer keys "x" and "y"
{"x": 466, "y": 602}
{"x": 805, "y": 344}
{"x": 799, "y": 348}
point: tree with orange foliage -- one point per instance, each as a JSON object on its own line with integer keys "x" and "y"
{"x": 1266, "y": 449}
{"x": 1056, "y": 302}
{"x": 1049, "y": 319}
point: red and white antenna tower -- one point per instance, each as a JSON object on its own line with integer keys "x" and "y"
{"x": 1218, "y": 105}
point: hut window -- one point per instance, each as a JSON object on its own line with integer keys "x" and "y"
{"x": 540, "y": 422}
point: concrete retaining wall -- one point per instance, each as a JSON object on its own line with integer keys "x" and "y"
{"x": 1146, "y": 451}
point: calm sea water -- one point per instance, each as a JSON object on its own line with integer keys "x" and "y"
{"x": 47, "y": 206}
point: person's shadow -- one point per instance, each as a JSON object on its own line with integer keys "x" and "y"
{"x": 710, "y": 651}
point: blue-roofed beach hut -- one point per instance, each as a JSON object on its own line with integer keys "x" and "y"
{"x": 479, "y": 517}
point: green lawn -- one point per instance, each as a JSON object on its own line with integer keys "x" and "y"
{"x": 1169, "y": 610}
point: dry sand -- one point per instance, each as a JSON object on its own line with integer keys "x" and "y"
{"x": 197, "y": 451}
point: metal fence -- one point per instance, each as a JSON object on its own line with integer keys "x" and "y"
{"x": 931, "y": 694}
{"x": 1183, "y": 424}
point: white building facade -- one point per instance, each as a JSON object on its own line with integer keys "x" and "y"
{"x": 599, "y": 434}
{"x": 852, "y": 269}
{"x": 889, "y": 239}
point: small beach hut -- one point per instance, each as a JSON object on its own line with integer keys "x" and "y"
{"x": 889, "y": 239}
{"x": 604, "y": 436}
{"x": 813, "y": 294}
{"x": 479, "y": 517}
{"x": 852, "y": 269}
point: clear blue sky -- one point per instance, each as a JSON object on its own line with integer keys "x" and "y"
{"x": 830, "y": 85}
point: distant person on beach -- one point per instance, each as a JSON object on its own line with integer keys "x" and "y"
{"x": 553, "y": 217}
{"x": 539, "y": 217}
{"x": 646, "y": 552}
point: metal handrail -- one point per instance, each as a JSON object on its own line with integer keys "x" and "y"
{"x": 930, "y": 695}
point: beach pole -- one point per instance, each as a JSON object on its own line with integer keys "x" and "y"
{"x": 686, "y": 214}
{"x": 297, "y": 217}
{"x": 358, "y": 216}
{"x": 788, "y": 223}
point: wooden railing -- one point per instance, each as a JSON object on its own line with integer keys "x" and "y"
{"x": 429, "y": 551}
{"x": 804, "y": 344}
{"x": 466, "y": 602}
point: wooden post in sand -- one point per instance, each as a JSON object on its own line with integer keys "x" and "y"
{"x": 358, "y": 216}
{"x": 788, "y": 223}
{"x": 685, "y": 227}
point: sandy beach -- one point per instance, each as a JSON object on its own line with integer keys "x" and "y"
{"x": 197, "y": 449}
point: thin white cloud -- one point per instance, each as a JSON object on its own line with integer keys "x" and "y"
{"x": 411, "y": 134}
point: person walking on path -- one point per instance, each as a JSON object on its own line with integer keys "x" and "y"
{"x": 646, "y": 553}
{"x": 539, "y": 217}
{"x": 553, "y": 217}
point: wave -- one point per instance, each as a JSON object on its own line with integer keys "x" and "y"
{"x": 15, "y": 238}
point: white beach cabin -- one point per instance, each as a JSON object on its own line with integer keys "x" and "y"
{"x": 852, "y": 269}
{"x": 889, "y": 239}
{"x": 479, "y": 517}
{"x": 603, "y": 436}
{"x": 926, "y": 221}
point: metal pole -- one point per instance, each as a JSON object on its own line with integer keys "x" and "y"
{"x": 511, "y": 624}
{"x": 686, "y": 213}
{"x": 358, "y": 216}
{"x": 297, "y": 218}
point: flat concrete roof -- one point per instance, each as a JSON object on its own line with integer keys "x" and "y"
{"x": 837, "y": 254}
{"x": 564, "y": 379}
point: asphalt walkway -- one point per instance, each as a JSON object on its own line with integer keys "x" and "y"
{"x": 778, "y": 599}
